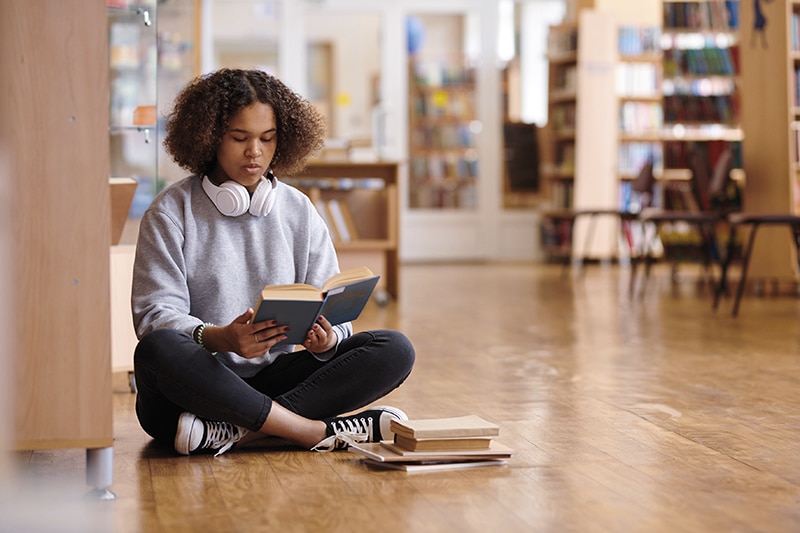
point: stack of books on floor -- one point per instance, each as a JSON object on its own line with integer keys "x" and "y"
{"x": 437, "y": 444}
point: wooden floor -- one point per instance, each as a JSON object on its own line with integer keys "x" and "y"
{"x": 648, "y": 414}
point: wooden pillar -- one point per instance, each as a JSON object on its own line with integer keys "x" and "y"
{"x": 766, "y": 106}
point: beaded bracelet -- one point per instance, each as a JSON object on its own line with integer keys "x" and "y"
{"x": 200, "y": 330}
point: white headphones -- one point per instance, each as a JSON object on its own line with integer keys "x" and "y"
{"x": 233, "y": 199}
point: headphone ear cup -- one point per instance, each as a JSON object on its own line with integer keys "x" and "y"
{"x": 263, "y": 197}
{"x": 230, "y": 198}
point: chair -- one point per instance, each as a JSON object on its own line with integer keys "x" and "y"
{"x": 754, "y": 220}
{"x": 701, "y": 209}
{"x": 642, "y": 188}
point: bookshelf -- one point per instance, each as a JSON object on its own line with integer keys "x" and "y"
{"x": 366, "y": 196}
{"x": 641, "y": 116}
{"x": 702, "y": 95}
{"x": 558, "y": 170}
{"x": 605, "y": 122}
{"x": 562, "y": 55}
{"x": 701, "y": 87}
{"x": 443, "y": 158}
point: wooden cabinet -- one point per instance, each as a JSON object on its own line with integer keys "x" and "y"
{"x": 366, "y": 196}
{"x": 54, "y": 131}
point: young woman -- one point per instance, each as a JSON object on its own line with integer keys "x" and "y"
{"x": 206, "y": 377}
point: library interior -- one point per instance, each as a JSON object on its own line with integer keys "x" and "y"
{"x": 584, "y": 214}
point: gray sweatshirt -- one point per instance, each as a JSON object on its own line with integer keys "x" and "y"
{"x": 193, "y": 264}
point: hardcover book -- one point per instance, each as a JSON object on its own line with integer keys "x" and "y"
{"x": 433, "y": 466}
{"x": 457, "y": 443}
{"x": 460, "y": 426}
{"x": 298, "y": 305}
{"x": 387, "y": 452}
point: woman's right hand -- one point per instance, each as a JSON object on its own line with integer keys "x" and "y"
{"x": 246, "y": 339}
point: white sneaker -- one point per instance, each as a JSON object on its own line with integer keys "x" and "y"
{"x": 195, "y": 434}
{"x": 372, "y": 425}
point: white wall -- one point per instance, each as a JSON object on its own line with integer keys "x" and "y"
{"x": 536, "y": 18}
{"x": 356, "y": 64}
{"x": 634, "y": 12}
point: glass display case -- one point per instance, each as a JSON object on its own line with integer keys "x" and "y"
{"x": 133, "y": 63}
{"x": 151, "y": 56}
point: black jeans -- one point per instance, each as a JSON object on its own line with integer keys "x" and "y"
{"x": 174, "y": 374}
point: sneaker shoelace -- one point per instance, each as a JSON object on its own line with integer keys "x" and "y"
{"x": 221, "y": 436}
{"x": 346, "y": 432}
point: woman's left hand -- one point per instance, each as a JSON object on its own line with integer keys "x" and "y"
{"x": 321, "y": 337}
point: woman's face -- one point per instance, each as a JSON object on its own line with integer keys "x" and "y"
{"x": 246, "y": 150}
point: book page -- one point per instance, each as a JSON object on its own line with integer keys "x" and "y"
{"x": 293, "y": 291}
{"x": 347, "y": 276}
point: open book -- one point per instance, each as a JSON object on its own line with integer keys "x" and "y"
{"x": 298, "y": 305}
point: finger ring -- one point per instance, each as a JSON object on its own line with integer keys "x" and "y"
{"x": 255, "y": 338}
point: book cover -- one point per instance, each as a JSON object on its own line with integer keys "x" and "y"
{"x": 434, "y": 466}
{"x": 344, "y": 304}
{"x": 457, "y": 443}
{"x": 494, "y": 449}
{"x": 460, "y": 426}
{"x": 383, "y": 453}
{"x": 298, "y": 305}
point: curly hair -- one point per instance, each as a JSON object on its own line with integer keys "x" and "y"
{"x": 202, "y": 112}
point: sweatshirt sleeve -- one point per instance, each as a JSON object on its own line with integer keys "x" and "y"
{"x": 160, "y": 293}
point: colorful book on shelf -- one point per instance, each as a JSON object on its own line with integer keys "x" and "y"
{"x": 298, "y": 305}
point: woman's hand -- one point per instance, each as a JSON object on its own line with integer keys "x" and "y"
{"x": 242, "y": 337}
{"x": 320, "y": 337}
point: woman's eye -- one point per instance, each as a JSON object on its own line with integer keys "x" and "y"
{"x": 267, "y": 140}
{"x": 239, "y": 140}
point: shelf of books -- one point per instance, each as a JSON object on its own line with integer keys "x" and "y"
{"x": 443, "y": 158}
{"x": 605, "y": 121}
{"x": 559, "y": 173}
{"x": 359, "y": 203}
{"x": 701, "y": 81}
{"x": 702, "y": 99}
{"x": 639, "y": 79}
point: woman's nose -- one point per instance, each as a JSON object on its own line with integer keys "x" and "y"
{"x": 253, "y": 150}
